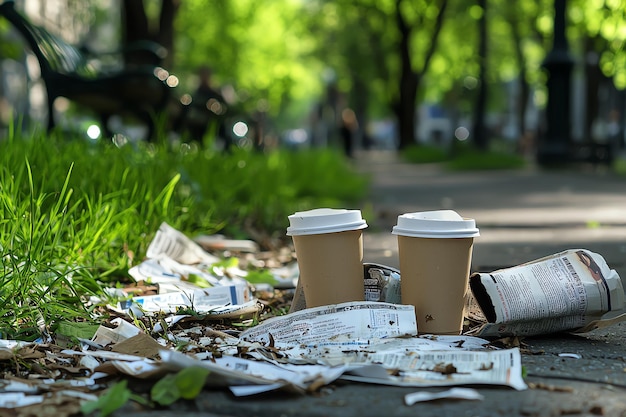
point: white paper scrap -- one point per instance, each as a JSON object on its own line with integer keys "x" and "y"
{"x": 18, "y": 386}
{"x": 453, "y": 393}
{"x": 18, "y": 399}
{"x": 124, "y": 330}
{"x": 200, "y": 299}
{"x": 443, "y": 368}
{"x": 244, "y": 390}
{"x": 570, "y": 355}
{"x": 171, "y": 242}
{"x": 11, "y": 344}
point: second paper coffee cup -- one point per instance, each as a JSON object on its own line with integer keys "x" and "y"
{"x": 435, "y": 251}
{"x": 329, "y": 249}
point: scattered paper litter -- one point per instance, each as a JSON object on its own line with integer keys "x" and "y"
{"x": 367, "y": 341}
{"x": 186, "y": 278}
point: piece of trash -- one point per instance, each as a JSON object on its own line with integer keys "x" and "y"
{"x": 202, "y": 300}
{"x": 124, "y": 330}
{"x": 570, "y": 355}
{"x": 381, "y": 283}
{"x": 354, "y": 322}
{"x": 453, "y": 393}
{"x": 173, "y": 243}
{"x": 574, "y": 290}
{"x": 219, "y": 242}
{"x": 18, "y": 399}
{"x": 377, "y": 340}
{"x": 549, "y": 387}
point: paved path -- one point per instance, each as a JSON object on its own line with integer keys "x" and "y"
{"x": 522, "y": 215}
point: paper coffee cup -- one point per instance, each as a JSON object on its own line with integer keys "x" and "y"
{"x": 435, "y": 251}
{"x": 329, "y": 249}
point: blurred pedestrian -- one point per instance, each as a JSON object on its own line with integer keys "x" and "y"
{"x": 204, "y": 111}
{"x": 347, "y": 130}
{"x": 212, "y": 101}
{"x": 614, "y": 130}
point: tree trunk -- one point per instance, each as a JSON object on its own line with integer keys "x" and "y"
{"x": 410, "y": 79}
{"x": 165, "y": 35}
{"x": 137, "y": 27}
{"x": 134, "y": 22}
{"x": 522, "y": 103}
{"x": 593, "y": 76}
{"x": 480, "y": 134}
{"x": 405, "y": 105}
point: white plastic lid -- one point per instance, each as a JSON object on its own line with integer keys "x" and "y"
{"x": 324, "y": 220}
{"x": 435, "y": 224}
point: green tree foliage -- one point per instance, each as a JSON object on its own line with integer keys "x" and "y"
{"x": 260, "y": 48}
{"x": 385, "y": 55}
{"x": 605, "y": 22}
{"x": 381, "y": 51}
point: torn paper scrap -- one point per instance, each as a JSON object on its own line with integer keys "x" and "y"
{"x": 171, "y": 242}
{"x": 231, "y": 371}
{"x": 123, "y": 330}
{"x": 18, "y": 399}
{"x": 202, "y": 300}
{"x": 453, "y": 393}
{"x": 164, "y": 270}
{"x": 219, "y": 242}
{"x": 443, "y": 368}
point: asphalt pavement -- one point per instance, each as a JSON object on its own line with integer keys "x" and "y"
{"x": 522, "y": 215}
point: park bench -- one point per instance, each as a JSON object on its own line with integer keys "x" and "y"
{"x": 596, "y": 153}
{"x": 140, "y": 91}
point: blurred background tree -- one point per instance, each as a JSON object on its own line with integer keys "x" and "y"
{"x": 301, "y": 62}
{"x": 155, "y": 24}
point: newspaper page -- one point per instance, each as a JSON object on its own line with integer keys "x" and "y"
{"x": 349, "y": 323}
{"x": 567, "y": 291}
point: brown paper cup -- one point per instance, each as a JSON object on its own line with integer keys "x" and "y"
{"x": 435, "y": 275}
{"x": 435, "y": 250}
{"x": 329, "y": 250}
{"x": 331, "y": 267}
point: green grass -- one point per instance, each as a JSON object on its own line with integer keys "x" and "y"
{"x": 619, "y": 166}
{"x": 465, "y": 158}
{"x": 468, "y": 160}
{"x": 423, "y": 154}
{"x": 76, "y": 215}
